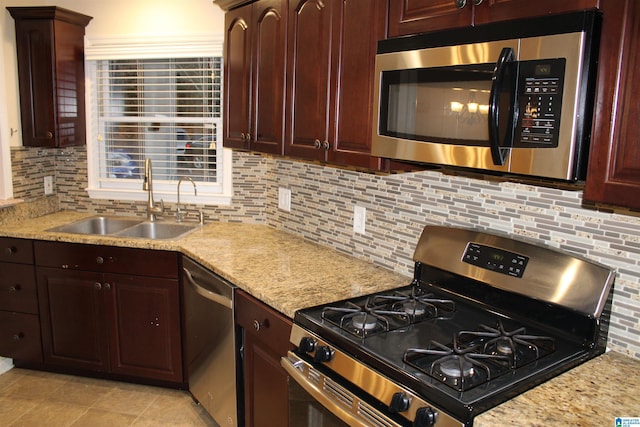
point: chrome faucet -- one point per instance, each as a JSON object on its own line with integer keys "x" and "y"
{"x": 195, "y": 193}
{"x": 147, "y": 185}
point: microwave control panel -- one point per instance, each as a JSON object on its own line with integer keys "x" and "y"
{"x": 540, "y": 85}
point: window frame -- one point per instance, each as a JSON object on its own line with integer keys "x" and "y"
{"x": 147, "y": 48}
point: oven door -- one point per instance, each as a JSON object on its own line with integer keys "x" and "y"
{"x": 316, "y": 400}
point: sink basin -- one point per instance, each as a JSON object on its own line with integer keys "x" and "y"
{"x": 102, "y": 225}
{"x": 126, "y": 227}
{"x": 158, "y": 230}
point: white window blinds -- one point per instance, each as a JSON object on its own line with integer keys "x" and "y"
{"x": 167, "y": 110}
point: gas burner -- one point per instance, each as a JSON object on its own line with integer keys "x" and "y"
{"x": 365, "y": 319}
{"x": 416, "y": 305}
{"x": 456, "y": 367}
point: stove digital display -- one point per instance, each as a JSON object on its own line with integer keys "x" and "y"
{"x": 495, "y": 259}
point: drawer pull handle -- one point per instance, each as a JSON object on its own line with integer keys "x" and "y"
{"x": 18, "y": 336}
{"x": 15, "y": 288}
{"x": 258, "y": 325}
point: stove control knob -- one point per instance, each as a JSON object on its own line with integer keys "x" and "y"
{"x": 307, "y": 344}
{"x": 425, "y": 417}
{"x": 399, "y": 403}
{"x": 323, "y": 354}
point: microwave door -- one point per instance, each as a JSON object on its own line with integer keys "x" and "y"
{"x": 502, "y": 107}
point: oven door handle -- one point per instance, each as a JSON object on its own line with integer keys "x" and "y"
{"x": 295, "y": 368}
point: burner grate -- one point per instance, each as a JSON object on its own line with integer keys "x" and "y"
{"x": 387, "y": 312}
{"x": 475, "y": 357}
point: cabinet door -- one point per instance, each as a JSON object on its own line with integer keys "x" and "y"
{"x": 34, "y": 44}
{"x": 418, "y": 16}
{"x": 309, "y": 74}
{"x": 269, "y": 74}
{"x": 358, "y": 25}
{"x": 144, "y": 327}
{"x": 613, "y": 175}
{"x": 502, "y": 10}
{"x": 266, "y": 339}
{"x": 237, "y": 76}
{"x": 72, "y": 319}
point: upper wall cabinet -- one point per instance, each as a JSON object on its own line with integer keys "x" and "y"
{"x": 332, "y": 46}
{"x": 255, "y": 64}
{"x": 50, "y": 47}
{"x": 613, "y": 176}
{"x": 417, "y": 16}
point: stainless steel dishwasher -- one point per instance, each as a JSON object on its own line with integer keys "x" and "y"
{"x": 209, "y": 345}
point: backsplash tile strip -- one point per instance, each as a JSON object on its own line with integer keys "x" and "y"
{"x": 398, "y": 206}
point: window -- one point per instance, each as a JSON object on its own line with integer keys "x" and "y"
{"x": 165, "y": 109}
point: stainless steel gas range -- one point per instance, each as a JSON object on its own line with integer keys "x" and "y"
{"x": 485, "y": 318}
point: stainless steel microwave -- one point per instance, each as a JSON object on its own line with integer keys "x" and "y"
{"x": 514, "y": 97}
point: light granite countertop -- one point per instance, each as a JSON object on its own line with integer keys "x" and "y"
{"x": 289, "y": 273}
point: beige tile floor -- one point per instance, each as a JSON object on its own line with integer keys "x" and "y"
{"x": 39, "y": 399}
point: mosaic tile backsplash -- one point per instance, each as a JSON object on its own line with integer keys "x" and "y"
{"x": 397, "y": 208}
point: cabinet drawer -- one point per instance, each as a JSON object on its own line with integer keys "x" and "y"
{"x": 18, "y": 288}
{"x": 16, "y": 250}
{"x": 106, "y": 259}
{"x": 20, "y": 336}
{"x": 264, "y": 323}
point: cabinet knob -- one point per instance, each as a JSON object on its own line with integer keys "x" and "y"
{"x": 100, "y": 260}
{"x": 97, "y": 285}
{"x": 49, "y": 135}
{"x": 10, "y": 250}
{"x": 326, "y": 145}
{"x": 15, "y": 288}
{"x": 248, "y": 137}
{"x": 257, "y": 325}
{"x": 461, "y": 3}
{"x": 477, "y": 2}
{"x": 107, "y": 286}
{"x": 317, "y": 144}
{"x": 18, "y": 336}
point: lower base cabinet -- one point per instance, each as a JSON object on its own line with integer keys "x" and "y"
{"x": 97, "y": 316}
{"x": 265, "y": 340}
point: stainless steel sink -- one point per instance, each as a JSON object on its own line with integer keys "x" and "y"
{"x": 158, "y": 230}
{"x": 102, "y": 225}
{"x": 126, "y": 227}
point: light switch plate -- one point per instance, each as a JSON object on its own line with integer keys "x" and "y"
{"x": 48, "y": 185}
{"x": 284, "y": 199}
{"x": 359, "y": 219}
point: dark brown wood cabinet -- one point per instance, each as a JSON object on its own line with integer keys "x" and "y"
{"x": 255, "y": 64}
{"x": 50, "y": 49}
{"x": 613, "y": 176}
{"x": 111, "y": 310}
{"x": 417, "y": 16}
{"x": 265, "y": 335}
{"x": 331, "y": 60}
{"x": 19, "y": 321}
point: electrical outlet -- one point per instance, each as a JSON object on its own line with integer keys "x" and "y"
{"x": 284, "y": 199}
{"x": 48, "y": 185}
{"x": 359, "y": 219}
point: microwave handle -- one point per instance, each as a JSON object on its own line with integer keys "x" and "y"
{"x": 499, "y": 150}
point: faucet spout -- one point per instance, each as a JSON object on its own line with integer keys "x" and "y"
{"x": 195, "y": 193}
{"x": 147, "y": 185}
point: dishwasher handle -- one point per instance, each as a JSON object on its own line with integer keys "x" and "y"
{"x": 211, "y": 296}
